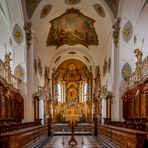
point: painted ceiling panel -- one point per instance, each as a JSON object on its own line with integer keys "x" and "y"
{"x": 72, "y": 28}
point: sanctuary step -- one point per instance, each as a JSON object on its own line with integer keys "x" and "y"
{"x": 81, "y": 128}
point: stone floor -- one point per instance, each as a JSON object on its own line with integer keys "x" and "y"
{"x": 89, "y": 142}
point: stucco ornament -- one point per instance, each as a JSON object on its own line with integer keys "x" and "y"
{"x": 17, "y": 34}
{"x": 127, "y": 31}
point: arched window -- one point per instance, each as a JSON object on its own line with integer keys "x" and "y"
{"x": 59, "y": 92}
{"x": 85, "y": 91}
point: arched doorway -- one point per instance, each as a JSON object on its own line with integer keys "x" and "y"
{"x": 72, "y": 88}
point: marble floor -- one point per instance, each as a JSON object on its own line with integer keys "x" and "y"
{"x": 89, "y": 142}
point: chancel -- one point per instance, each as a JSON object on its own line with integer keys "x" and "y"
{"x": 73, "y": 73}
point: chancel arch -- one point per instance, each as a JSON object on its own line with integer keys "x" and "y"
{"x": 73, "y": 80}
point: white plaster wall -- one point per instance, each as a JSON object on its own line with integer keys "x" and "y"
{"x": 4, "y": 30}
{"x": 140, "y": 22}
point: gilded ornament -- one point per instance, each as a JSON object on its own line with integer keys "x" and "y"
{"x": 116, "y": 31}
{"x": 7, "y": 59}
{"x": 126, "y": 71}
{"x": 127, "y": 31}
{"x": 19, "y": 72}
{"x": 17, "y": 34}
{"x": 27, "y": 28}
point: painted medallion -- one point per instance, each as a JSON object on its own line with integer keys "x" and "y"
{"x": 17, "y": 34}
{"x": 19, "y": 72}
{"x": 127, "y": 31}
{"x": 45, "y": 11}
{"x": 126, "y": 71}
{"x": 99, "y": 9}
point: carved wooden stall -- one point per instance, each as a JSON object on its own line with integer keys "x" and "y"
{"x": 27, "y": 137}
{"x": 122, "y": 137}
{"x": 11, "y": 104}
{"x": 133, "y": 131}
{"x": 135, "y": 103}
{"x": 14, "y": 133}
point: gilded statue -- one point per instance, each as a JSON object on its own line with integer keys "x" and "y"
{"x": 7, "y": 59}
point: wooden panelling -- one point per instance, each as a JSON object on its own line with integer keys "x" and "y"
{"x": 11, "y": 104}
{"x": 122, "y": 137}
{"x": 27, "y": 137}
{"x": 135, "y": 103}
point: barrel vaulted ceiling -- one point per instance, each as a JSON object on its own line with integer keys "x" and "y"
{"x": 87, "y": 27}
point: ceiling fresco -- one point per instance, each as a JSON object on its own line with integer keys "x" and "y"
{"x": 31, "y": 6}
{"x": 45, "y": 11}
{"x": 99, "y": 9}
{"x": 113, "y": 4}
{"x": 72, "y": 28}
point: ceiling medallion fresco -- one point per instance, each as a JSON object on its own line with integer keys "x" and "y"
{"x": 99, "y": 9}
{"x": 45, "y": 11}
{"x": 113, "y": 5}
{"x": 31, "y": 6}
{"x": 72, "y": 28}
{"x": 72, "y": 2}
{"x": 127, "y": 31}
{"x": 17, "y": 34}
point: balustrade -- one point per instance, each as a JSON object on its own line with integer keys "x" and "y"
{"x": 6, "y": 75}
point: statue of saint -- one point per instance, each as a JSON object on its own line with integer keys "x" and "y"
{"x": 7, "y": 59}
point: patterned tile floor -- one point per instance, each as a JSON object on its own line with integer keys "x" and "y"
{"x": 89, "y": 142}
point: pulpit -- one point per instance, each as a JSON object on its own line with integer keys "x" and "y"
{"x": 72, "y": 120}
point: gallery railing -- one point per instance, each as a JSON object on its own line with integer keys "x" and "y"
{"x": 5, "y": 73}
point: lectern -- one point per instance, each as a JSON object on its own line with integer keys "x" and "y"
{"x": 72, "y": 120}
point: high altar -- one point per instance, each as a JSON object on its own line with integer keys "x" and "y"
{"x": 71, "y": 87}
